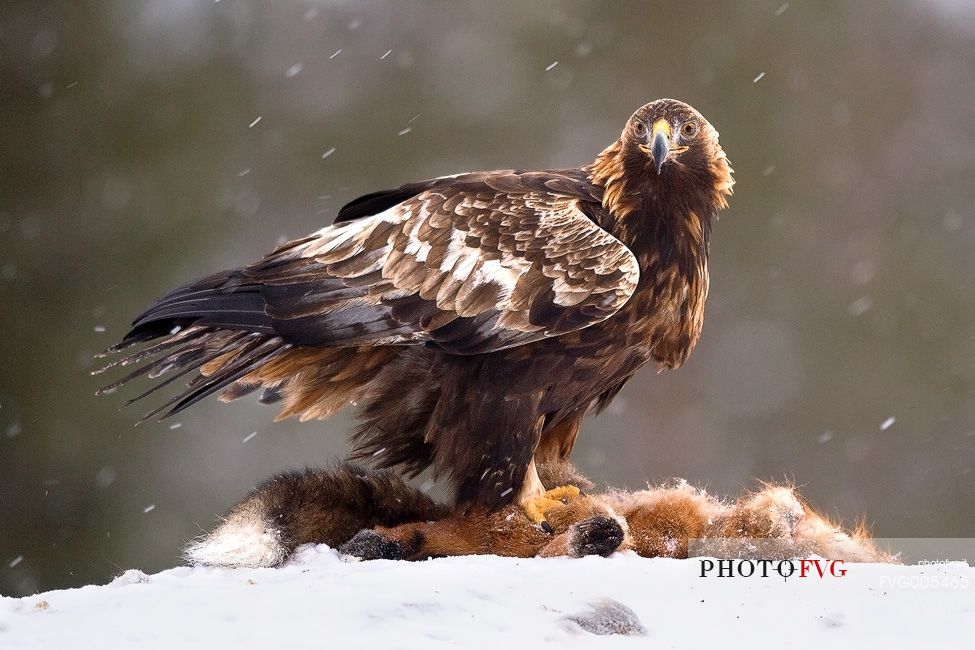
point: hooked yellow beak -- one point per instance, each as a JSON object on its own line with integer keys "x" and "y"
{"x": 660, "y": 142}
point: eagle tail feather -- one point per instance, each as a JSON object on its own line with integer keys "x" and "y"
{"x": 250, "y": 356}
{"x": 226, "y": 300}
{"x": 188, "y": 361}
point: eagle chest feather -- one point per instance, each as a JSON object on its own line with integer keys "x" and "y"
{"x": 668, "y": 310}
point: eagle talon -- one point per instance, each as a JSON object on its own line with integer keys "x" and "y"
{"x": 536, "y": 507}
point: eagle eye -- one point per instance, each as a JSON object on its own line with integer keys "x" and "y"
{"x": 688, "y": 129}
{"x": 640, "y": 127}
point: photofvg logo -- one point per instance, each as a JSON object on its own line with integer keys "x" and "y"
{"x": 741, "y": 557}
{"x": 784, "y": 569}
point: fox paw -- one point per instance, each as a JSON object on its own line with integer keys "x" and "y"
{"x": 371, "y": 545}
{"x": 595, "y": 536}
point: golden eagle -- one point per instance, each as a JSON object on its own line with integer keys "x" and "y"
{"x": 474, "y": 319}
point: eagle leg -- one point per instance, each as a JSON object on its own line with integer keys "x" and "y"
{"x": 535, "y": 500}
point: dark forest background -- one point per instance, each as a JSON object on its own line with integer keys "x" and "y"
{"x": 146, "y": 143}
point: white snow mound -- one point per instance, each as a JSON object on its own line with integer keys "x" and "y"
{"x": 319, "y": 600}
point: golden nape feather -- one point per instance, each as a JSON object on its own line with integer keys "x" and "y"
{"x": 474, "y": 318}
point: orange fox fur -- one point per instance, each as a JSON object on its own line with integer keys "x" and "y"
{"x": 396, "y": 521}
{"x": 668, "y": 521}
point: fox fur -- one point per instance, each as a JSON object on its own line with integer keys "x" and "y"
{"x": 372, "y": 514}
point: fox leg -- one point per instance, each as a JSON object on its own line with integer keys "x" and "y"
{"x": 506, "y": 532}
{"x": 311, "y": 506}
{"x": 418, "y": 540}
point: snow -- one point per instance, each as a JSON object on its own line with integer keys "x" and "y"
{"x": 860, "y": 306}
{"x": 320, "y": 600}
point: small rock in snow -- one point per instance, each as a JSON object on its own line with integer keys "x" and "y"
{"x": 609, "y": 617}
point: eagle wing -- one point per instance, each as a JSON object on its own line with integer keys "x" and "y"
{"x": 465, "y": 271}
{"x": 465, "y": 265}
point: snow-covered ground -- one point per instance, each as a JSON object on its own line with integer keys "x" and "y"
{"x": 319, "y": 600}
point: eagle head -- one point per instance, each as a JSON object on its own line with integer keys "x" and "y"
{"x": 667, "y": 151}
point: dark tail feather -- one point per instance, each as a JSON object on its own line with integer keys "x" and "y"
{"x": 193, "y": 362}
{"x": 225, "y": 300}
{"x": 189, "y": 356}
{"x": 220, "y": 315}
{"x": 176, "y": 338}
{"x": 251, "y": 356}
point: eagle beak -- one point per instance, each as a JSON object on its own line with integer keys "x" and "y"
{"x": 660, "y": 137}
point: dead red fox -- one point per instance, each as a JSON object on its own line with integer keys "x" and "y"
{"x": 374, "y": 514}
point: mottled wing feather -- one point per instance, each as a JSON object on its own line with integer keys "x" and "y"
{"x": 471, "y": 263}
{"x": 465, "y": 270}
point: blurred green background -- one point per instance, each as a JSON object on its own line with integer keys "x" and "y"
{"x": 146, "y": 143}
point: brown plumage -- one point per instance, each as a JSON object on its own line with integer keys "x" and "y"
{"x": 475, "y": 319}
